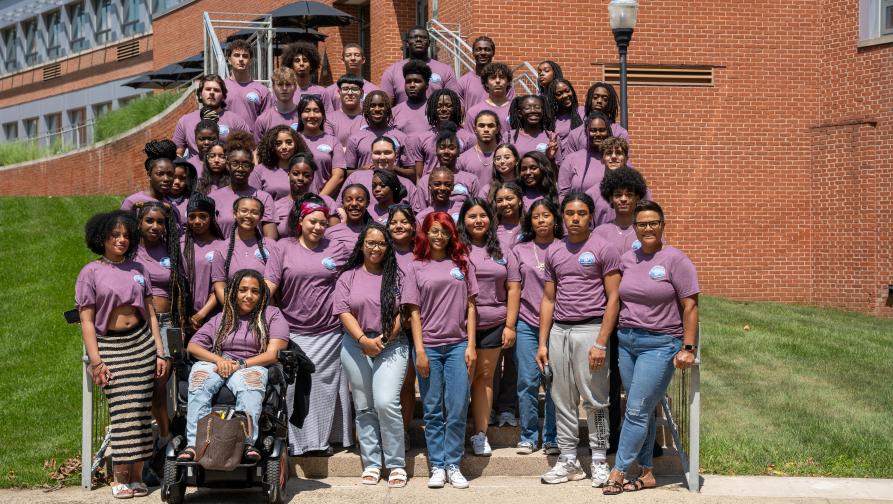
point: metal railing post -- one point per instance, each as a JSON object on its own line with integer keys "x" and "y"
{"x": 694, "y": 426}
{"x": 86, "y": 426}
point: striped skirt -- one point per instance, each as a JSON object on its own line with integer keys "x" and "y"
{"x": 130, "y": 356}
{"x": 330, "y": 418}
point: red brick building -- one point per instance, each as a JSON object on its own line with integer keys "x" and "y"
{"x": 776, "y": 170}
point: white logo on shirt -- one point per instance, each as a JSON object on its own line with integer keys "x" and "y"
{"x": 658, "y": 273}
{"x": 165, "y": 262}
{"x": 261, "y": 255}
{"x": 329, "y": 264}
{"x": 460, "y": 188}
{"x": 636, "y": 245}
{"x": 140, "y": 279}
{"x": 457, "y": 274}
{"x": 209, "y": 257}
{"x": 542, "y": 147}
{"x": 295, "y": 126}
{"x": 501, "y": 261}
{"x": 324, "y": 148}
{"x": 253, "y": 97}
{"x": 587, "y": 259}
{"x": 224, "y": 129}
{"x": 436, "y": 78}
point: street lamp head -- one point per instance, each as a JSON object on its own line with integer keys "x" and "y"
{"x": 622, "y": 14}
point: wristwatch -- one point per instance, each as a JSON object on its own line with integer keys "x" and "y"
{"x": 241, "y": 363}
{"x": 690, "y": 348}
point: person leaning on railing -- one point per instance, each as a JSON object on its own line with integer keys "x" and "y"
{"x": 657, "y": 331}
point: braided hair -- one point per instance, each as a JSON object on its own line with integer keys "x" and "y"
{"x": 391, "y": 279}
{"x": 232, "y": 236}
{"x": 491, "y": 239}
{"x": 198, "y": 202}
{"x": 431, "y": 107}
{"x": 553, "y": 104}
{"x": 516, "y": 118}
{"x": 180, "y": 295}
{"x": 388, "y": 112}
{"x": 257, "y": 324}
{"x": 158, "y": 150}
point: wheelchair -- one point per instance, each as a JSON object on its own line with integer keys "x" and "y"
{"x": 270, "y": 473}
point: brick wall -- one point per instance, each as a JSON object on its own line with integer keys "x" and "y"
{"x": 389, "y": 20}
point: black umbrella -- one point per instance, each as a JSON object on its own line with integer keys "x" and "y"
{"x": 175, "y": 72}
{"x": 283, "y": 34}
{"x": 146, "y": 82}
{"x": 195, "y": 61}
{"x": 310, "y": 14}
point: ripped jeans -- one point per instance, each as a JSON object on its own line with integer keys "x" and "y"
{"x": 248, "y": 385}
{"x": 646, "y": 367}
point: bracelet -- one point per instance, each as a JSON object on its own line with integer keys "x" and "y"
{"x": 361, "y": 338}
{"x": 603, "y": 348}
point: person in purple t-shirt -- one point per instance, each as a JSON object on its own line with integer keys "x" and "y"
{"x": 348, "y": 119}
{"x": 352, "y": 56}
{"x": 304, "y": 270}
{"x": 478, "y": 160}
{"x": 440, "y": 184}
{"x": 283, "y": 111}
{"x": 657, "y": 331}
{"x": 465, "y": 184}
{"x": 245, "y": 247}
{"x": 418, "y": 42}
{"x": 547, "y": 71}
{"x": 443, "y": 112}
{"x": 497, "y": 80}
{"x": 358, "y": 151}
{"x": 499, "y": 282}
{"x": 324, "y": 147}
{"x": 537, "y": 177}
{"x": 577, "y": 314}
{"x": 202, "y": 245}
{"x": 276, "y": 148}
{"x": 506, "y": 162}
{"x": 216, "y": 174}
{"x": 234, "y": 349}
{"x": 532, "y": 126}
{"x": 207, "y": 133}
{"x": 304, "y": 59}
{"x": 541, "y": 227}
{"x": 562, "y": 99}
{"x": 354, "y": 217}
{"x": 374, "y": 351}
{"x": 583, "y": 169}
{"x": 211, "y": 94}
{"x": 441, "y": 288}
{"x": 300, "y": 177}
{"x": 409, "y": 116}
{"x": 387, "y": 190}
{"x": 240, "y": 165}
{"x": 245, "y": 97}
{"x": 622, "y": 188}
{"x": 602, "y": 97}
{"x": 119, "y": 329}
{"x": 471, "y": 87}
{"x": 160, "y": 155}
{"x": 508, "y": 206}
{"x": 185, "y": 180}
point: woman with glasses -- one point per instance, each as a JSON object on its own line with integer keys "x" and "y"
{"x": 240, "y": 165}
{"x": 374, "y": 351}
{"x": 657, "y": 332}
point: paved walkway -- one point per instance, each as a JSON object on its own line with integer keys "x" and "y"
{"x": 513, "y": 490}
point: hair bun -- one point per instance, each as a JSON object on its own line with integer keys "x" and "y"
{"x": 160, "y": 149}
{"x": 448, "y": 126}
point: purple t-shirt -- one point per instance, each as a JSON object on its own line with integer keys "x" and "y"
{"x": 502, "y": 112}
{"x": 358, "y": 292}
{"x": 246, "y": 255}
{"x": 181, "y": 205}
{"x": 477, "y": 163}
{"x": 248, "y": 100}
{"x": 327, "y": 152}
{"x": 241, "y": 342}
{"x": 392, "y": 81}
{"x": 273, "y": 181}
{"x": 271, "y": 118}
{"x": 581, "y": 171}
{"x": 422, "y": 148}
{"x": 364, "y": 178}
{"x": 441, "y": 291}
{"x": 530, "y": 196}
{"x": 309, "y": 90}
{"x": 652, "y": 287}
{"x": 563, "y": 124}
{"x": 104, "y": 287}
{"x": 131, "y": 201}
{"x": 578, "y": 138}
{"x": 526, "y": 143}
{"x": 196, "y": 161}
{"x": 306, "y": 280}
{"x": 157, "y": 267}
{"x": 343, "y": 126}
{"x": 332, "y": 101}
{"x": 452, "y": 210}
{"x": 621, "y": 239}
{"x": 491, "y": 276}
{"x": 508, "y": 234}
{"x": 345, "y": 234}
{"x": 577, "y": 270}
{"x": 358, "y": 150}
{"x": 284, "y": 207}
{"x": 224, "y": 199}
{"x": 472, "y": 91}
{"x": 410, "y": 117}
{"x": 464, "y": 185}
{"x": 204, "y": 255}
{"x": 404, "y": 259}
{"x": 184, "y": 131}
{"x": 530, "y": 257}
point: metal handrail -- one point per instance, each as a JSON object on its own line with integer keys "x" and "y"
{"x": 682, "y": 413}
{"x": 215, "y": 60}
{"x": 262, "y": 39}
{"x": 527, "y": 79}
{"x": 451, "y": 40}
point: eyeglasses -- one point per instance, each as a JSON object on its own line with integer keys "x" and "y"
{"x": 248, "y": 211}
{"x": 375, "y": 244}
{"x": 241, "y": 164}
{"x": 351, "y": 90}
{"x": 649, "y": 224}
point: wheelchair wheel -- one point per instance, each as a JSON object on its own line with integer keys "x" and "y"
{"x": 277, "y": 476}
{"x": 173, "y": 491}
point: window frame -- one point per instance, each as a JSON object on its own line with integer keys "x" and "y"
{"x": 31, "y": 121}
{"x": 79, "y": 23}
{"x": 55, "y": 34}
{"x": 30, "y": 41}
{"x": 104, "y": 21}
{"x": 11, "y": 51}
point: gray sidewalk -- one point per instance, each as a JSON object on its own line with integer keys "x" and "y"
{"x": 515, "y": 490}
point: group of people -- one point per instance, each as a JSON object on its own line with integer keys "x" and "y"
{"x": 435, "y": 229}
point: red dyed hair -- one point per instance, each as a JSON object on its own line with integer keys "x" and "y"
{"x": 455, "y": 249}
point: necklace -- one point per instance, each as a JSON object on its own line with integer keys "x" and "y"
{"x": 488, "y": 166}
{"x": 109, "y": 261}
{"x": 539, "y": 264}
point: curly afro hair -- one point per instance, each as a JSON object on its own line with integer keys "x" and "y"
{"x": 266, "y": 151}
{"x": 99, "y": 229}
{"x": 623, "y": 178}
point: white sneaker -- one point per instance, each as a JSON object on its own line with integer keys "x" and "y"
{"x": 456, "y": 478}
{"x": 507, "y": 418}
{"x": 438, "y": 478}
{"x": 481, "y": 445}
{"x": 564, "y": 471}
{"x": 600, "y": 473}
{"x": 525, "y": 448}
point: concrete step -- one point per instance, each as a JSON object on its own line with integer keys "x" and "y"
{"x": 503, "y": 462}
{"x": 499, "y": 437}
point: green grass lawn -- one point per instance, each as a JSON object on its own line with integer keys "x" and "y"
{"x": 133, "y": 114}
{"x": 802, "y": 392}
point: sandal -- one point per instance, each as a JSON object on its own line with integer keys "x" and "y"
{"x": 251, "y": 454}
{"x": 635, "y": 486}
{"x": 612, "y": 487}
{"x": 122, "y": 491}
{"x": 187, "y": 455}
{"x": 139, "y": 489}
{"x": 397, "y": 478}
{"x": 371, "y": 476}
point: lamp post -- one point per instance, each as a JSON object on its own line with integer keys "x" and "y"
{"x": 622, "y": 14}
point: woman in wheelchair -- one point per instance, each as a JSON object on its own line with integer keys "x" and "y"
{"x": 234, "y": 349}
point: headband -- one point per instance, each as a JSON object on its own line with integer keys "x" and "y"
{"x": 308, "y": 208}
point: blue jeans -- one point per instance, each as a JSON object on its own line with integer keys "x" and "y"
{"x": 248, "y": 385}
{"x": 526, "y": 346}
{"x": 445, "y": 402}
{"x": 646, "y": 368}
{"x": 375, "y": 384}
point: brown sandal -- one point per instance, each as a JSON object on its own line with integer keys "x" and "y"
{"x": 635, "y": 486}
{"x": 612, "y": 487}
{"x": 187, "y": 455}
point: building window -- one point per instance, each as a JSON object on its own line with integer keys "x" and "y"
{"x": 54, "y": 127}
{"x": 78, "y": 120}
{"x": 11, "y": 131}
{"x": 30, "y": 127}
{"x": 10, "y": 54}
{"x": 131, "y": 20}
{"x": 80, "y": 27}
{"x": 55, "y": 35}
{"x": 101, "y": 108}
{"x": 31, "y": 54}
{"x": 887, "y": 17}
{"x": 875, "y": 21}
{"x": 105, "y": 12}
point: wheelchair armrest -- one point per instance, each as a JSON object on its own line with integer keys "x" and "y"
{"x": 294, "y": 361}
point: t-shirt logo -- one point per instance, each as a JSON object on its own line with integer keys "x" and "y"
{"x": 295, "y": 126}
{"x": 455, "y": 216}
{"x": 209, "y": 257}
{"x": 542, "y": 147}
{"x": 501, "y": 261}
{"x": 459, "y": 188}
{"x": 436, "y": 78}
{"x": 224, "y": 129}
{"x": 261, "y": 255}
{"x": 329, "y": 264}
{"x": 658, "y": 273}
{"x": 140, "y": 279}
{"x": 326, "y": 148}
{"x": 253, "y": 97}
{"x": 637, "y": 245}
{"x": 587, "y": 259}
{"x": 457, "y": 274}
{"x": 165, "y": 262}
